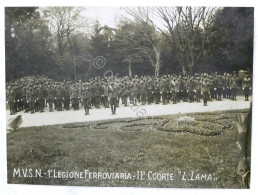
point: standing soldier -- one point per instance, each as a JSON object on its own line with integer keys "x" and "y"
{"x": 59, "y": 98}
{"x": 164, "y": 91}
{"x": 228, "y": 84}
{"x": 149, "y": 92}
{"x": 51, "y": 93}
{"x": 134, "y": 93}
{"x": 97, "y": 94}
{"x": 24, "y": 98}
{"x": 113, "y": 98}
{"x": 215, "y": 85}
{"x": 105, "y": 95}
{"x": 198, "y": 89}
{"x": 205, "y": 92}
{"x": 86, "y": 95}
{"x": 125, "y": 93}
{"x": 19, "y": 98}
{"x": 224, "y": 81}
{"x": 156, "y": 92}
{"x": 11, "y": 100}
{"x": 174, "y": 88}
{"x": 41, "y": 98}
{"x": 66, "y": 97}
{"x": 143, "y": 92}
{"x": 190, "y": 89}
{"x": 247, "y": 86}
{"x": 234, "y": 87}
{"x": 75, "y": 97}
{"x": 219, "y": 88}
{"x": 32, "y": 97}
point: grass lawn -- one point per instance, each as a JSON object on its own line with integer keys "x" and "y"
{"x": 127, "y": 145}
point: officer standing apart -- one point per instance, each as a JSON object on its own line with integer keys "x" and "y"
{"x": 113, "y": 98}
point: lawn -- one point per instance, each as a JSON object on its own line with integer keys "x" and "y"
{"x": 159, "y": 144}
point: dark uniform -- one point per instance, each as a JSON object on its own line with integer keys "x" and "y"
{"x": 234, "y": 88}
{"x": 198, "y": 89}
{"x": 190, "y": 89}
{"x": 59, "y": 98}
{"x": 75, "y": 98}
{"x": 51, "y": 93}
{"x": 11, "y": 100}
{"x": 156, "y": 92}
{"x": 86, "y": 95}
{"x": 205, "y": 92}
{"x": 219, "y": 88}
{"x": 41, "y": 98}
{"x": 165, "y": 91}
{"x": 247, "y": 85}
{"x": 174, "y": 88}
{"x": 143, "y": 92}
{"x": 113, "y": 98}
{"x": 67, "y": 99}
{"x": 149, "y": 92}
{"x": 134, "y": 91}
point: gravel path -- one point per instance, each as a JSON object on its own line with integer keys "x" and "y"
{"x": 51, "y": 118}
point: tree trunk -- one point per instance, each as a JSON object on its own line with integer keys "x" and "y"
{"x": 157, "y": 67}
{"x": 183, "y": 70}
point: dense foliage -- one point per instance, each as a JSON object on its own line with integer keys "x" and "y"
{"x": 61, "y": 44}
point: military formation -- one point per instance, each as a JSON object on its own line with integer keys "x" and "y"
{"x": 33, "y": 94}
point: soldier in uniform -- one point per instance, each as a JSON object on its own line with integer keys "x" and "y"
{"x": 190, "y": 89}
{"x": 97, "y": 94}
{"x": 134, "y": 91}
{"x": 113, "y": 98}
{"x": 75, "y": 97}
{"x": 143, "y": 92}
{"x": 156, "y": 92}
{"x": 24, "y": 98}
{"x": 205, "y": 92}
{"x": 198, "y": 89}
{"x": 228, "y": 84}
{"x": 66, "y": 97}
{"x": 41, "y": 98}
{"x": 164, "y": 91}
{"x": 51, "y": 93}
{"x": 86, "y": 95}
{"x": 174, "y": 88}
{"x": 247, "y": 86}
{"x": 215, "y": 85}
{"x": 59, "y": 97}
{"x": 124, "y": 93}
{"x": 224, "y": 81}
{"x": 32, "y": 98}
{"x": 219, "y": 88}
{"x": 149, "y": 92}
{"x": 234, "y": 87}
{"x": 19, "y": 102}
{"x": 105, "y": 95}
{"x": 11, "y": 99}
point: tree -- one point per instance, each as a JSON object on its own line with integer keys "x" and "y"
{"x": 64, "y": 22}
{"x": 231, "y": 39}
{"x": 189, "y": 32}
{"x": 147, "y": 36}
{"x": 27, "y": 42}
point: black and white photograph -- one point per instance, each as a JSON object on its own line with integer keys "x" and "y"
{"x": 129, "y": 96}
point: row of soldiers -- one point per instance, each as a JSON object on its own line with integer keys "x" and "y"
{"x": 34, "y": 95}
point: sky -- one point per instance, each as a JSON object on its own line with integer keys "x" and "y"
{"x": 105, "y": 15}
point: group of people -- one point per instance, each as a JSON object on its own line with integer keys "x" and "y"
{"x": 33, "y": 94}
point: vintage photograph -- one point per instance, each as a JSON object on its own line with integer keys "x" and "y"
{"x": 157, "y": 97}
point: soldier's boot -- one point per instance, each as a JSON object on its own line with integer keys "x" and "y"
{"x": 114, "y": 109}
